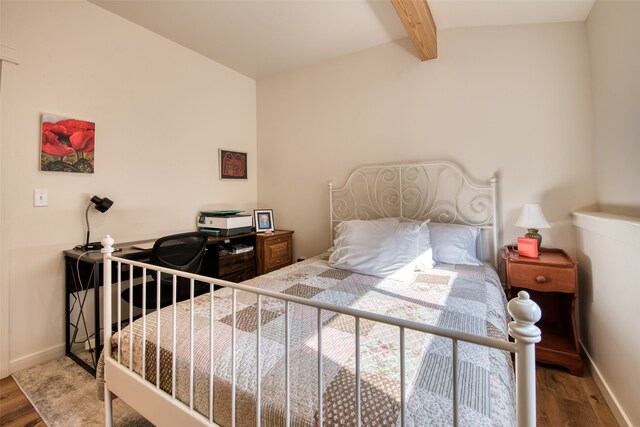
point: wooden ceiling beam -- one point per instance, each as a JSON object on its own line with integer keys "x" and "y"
{"x": 418, "y": 23}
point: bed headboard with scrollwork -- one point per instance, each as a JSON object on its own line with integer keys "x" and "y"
{"x": 438, "y": 191}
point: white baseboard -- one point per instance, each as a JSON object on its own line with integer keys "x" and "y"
{"x": 614, "y": 405}
{"x": 36, "y": 358}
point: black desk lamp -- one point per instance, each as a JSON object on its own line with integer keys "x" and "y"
{"x": 102, "y": 205}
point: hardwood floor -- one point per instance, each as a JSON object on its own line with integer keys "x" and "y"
{"x": 563, "y": 400}
{"x": 15, "y": 409}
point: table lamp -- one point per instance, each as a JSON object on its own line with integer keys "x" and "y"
{"x": 101, "y": 205}
{"x": 532, "y": 218}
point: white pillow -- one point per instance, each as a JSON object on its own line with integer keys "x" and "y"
{"x": 338, "y": 227}
{"x": 424, "y": 261}
{"x": 385, "y": 249}
{"x": 454, "y": 243}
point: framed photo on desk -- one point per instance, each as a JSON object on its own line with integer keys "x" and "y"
{"x": 263, "y": 219}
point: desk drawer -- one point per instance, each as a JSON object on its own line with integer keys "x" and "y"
{"x": 274, "y": 251}
{"x": 277, "y": 253}
{"x": 230, "y": 264}
{"x": 543, "y": 279}
{"x": 240, "y": 276}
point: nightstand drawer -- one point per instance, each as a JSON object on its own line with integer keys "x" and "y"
{"x": 543, "y": 279}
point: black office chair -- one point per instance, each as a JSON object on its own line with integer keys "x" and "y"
{"x": 184, "y": 252}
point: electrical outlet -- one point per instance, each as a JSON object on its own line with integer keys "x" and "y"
{"x": 40, "y": 197}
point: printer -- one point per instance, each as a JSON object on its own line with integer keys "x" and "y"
{"x": 226, "y": 224}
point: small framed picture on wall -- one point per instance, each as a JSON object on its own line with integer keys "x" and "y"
{"x": 263, "y": 219}
{"x": 233, "y": 164}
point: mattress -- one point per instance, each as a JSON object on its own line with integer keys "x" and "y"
{"x": 459, "y": 297}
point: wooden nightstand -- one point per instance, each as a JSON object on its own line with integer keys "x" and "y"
{"x": 273, "y": 250}
{"x": 551, "y": 280}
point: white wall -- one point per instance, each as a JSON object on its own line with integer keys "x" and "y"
{"x": 609, "y": 247}
{"x": 608, "y": 244}
{"x": 613, "y": 35}
{"x": 8, "y": 65}
{"x": 161, "y": 113}
{"x": 512, "y": 100}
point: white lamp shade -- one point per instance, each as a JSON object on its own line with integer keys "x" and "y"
{"x": 531, "y": 216}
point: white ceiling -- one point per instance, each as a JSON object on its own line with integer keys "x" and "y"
{"x": 262, "y": 37}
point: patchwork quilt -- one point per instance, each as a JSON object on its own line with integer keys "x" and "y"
{"x": 458, "y": 297}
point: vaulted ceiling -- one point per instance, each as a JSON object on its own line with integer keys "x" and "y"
{"x": 263, "y": 37}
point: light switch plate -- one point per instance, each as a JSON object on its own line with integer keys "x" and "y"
{"x": 40, "y": 197}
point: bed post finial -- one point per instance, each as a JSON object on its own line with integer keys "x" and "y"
{"x": 107, "y": 245}
{"x": 525, "y": 313}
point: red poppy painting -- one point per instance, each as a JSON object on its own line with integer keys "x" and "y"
{"x": 67, "y": 144}
{"x": 233, "y": 165}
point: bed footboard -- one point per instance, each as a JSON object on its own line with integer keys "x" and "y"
{"x": 163, "y": 408}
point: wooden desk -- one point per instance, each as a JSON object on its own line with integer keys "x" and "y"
{"x": 83, "y": 272}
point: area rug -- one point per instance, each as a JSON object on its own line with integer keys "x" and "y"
{"x": 65, "y": 395}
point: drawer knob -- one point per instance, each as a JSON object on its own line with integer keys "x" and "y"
{"x": 541, "y": 279}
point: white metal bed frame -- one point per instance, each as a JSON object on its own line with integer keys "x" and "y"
{"x": 165, "y": 409}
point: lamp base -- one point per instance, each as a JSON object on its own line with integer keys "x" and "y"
{"x": 93, "y": 246}
{"x": 533, "y": 234}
